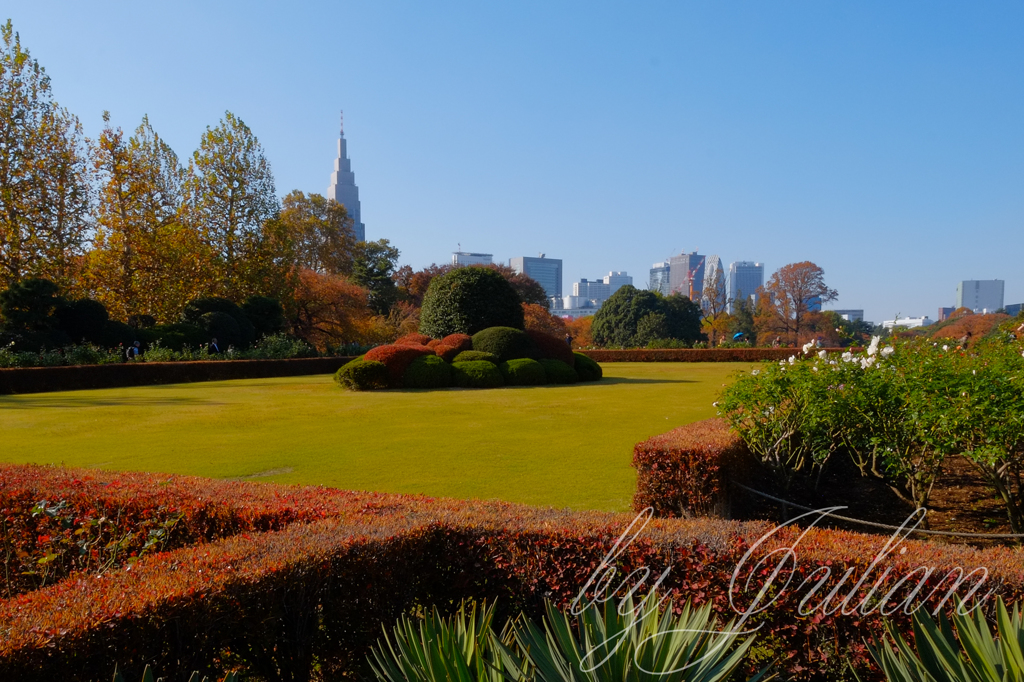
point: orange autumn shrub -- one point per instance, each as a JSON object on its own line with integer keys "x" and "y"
{"x": 414, "y": 339}
{"x": 397, "y": 359}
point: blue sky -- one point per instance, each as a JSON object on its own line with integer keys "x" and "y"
{"x": 882, "y": 141}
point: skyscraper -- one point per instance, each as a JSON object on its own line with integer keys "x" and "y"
{"x": 660, "y": 280}
{"x": 686, "y": 275}
{"x": 713, "y": 286}
{"x": 547, "y": 272}
{"x": 745, "y": 278}
{"x": 343, "y": 186}
{"x": 980, "y": 294}
{"x": 463, "y": 258}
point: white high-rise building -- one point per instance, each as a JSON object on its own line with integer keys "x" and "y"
{"x": 745, "y": 278}
{"x": 598, "y": 291}
{"x": 714, "y": 284}
{"x": 343, "y": 186}
{"x": 980, "y": 295}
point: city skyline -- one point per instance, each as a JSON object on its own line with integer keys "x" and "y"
{"x": 874, "y": 135}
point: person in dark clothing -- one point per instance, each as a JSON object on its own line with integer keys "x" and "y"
{"x": 213, "y": 348}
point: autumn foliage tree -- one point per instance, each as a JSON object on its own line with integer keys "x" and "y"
{"x": 320, "y": 232}
{"x": 786, "y": 303}
{"x": 328, "y": 310}
{"x": 44, "y": 184}
{"x": 230, "y": 199}
{"x": 539, "y": 318}
{"x": 145, "y": 260}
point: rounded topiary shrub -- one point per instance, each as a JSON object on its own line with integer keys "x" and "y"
{"x": 559, "y": 373}
{"x": 362, "y": 375}
{"x": 475, "y": 355}
{"x": 413, "y": 340}
{"x": 428, "y": 371}
{"x": 460, "y": 341}
{"x": 586, "y": 368}
{"x": 552, "y": 347}
{"x": 476, "y": 374}
{"x": 467, "y": 300}
{"x": 523, "y": 372}
{"x": 505, "y": 342}
{"x": 397, "y": 359}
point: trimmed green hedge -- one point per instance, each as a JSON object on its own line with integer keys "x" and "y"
{"x": 476, "y": 374}
{"x": 587, "y": 369}
{"x": 362, "y": 375}
{"x": 428, "y": 371}
{"x": 505, "y": 342}
{"x": 474, "y": 355}
{"x": 559, "y": 373}
{"x": 523, "y": 372}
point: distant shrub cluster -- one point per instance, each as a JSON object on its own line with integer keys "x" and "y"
{"x": 493, "y": 357}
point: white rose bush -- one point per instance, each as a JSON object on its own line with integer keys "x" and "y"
{"x": 897, "y": 410}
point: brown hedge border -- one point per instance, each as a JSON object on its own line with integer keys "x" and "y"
{"x": 684, "y": 472}
{"x": 78, "y": 377}
{"x": 699, "y": 354}
{"x": 314, "y": 594}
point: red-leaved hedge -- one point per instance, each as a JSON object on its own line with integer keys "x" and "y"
{"x": 278, "y": 603}
{"x": 697, "y": 354}
{"x": 682, "y": 472}
{"x": 397, "y": 359}
{"x": 56, "y": 521}
{"x": 552, "y": 347}
{"x": 413, "y": 339}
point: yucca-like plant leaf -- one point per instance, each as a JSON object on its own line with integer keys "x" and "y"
{"x": 965, "y": 650}
{"x": 620, "y": 642}
{"x": 459, "y": 648}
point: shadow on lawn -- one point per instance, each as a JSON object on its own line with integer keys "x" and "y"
{"x": 30, "y": 402}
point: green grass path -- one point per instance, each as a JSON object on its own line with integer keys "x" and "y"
{"x": 561, "y": 446}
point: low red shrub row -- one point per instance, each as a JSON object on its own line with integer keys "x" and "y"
{"x": 682, "y": 472}
{"x": 56, "y": 521}
{"x": 274, "y": 602}
{"x": 697, "y": 354}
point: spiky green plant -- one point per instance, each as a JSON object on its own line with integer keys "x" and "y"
{"x": 459, "y": 648}
{"x": 967, "y": 653}
{"x": 622, "y": 643}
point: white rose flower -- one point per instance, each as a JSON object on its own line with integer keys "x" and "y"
{"x": 822, "y": 354}
{"x": 887, "y": 351}
{"x": 873, "y": 348}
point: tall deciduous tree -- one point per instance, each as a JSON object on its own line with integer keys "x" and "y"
{"x": 44, "y": 190}
{"x": 320, "y": 231}
{"x": 230, "y": 199}
{"x": 786, "y": 303}
{"x": 145, "y": 261}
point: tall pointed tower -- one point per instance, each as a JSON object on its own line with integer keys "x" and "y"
{"x": 343, "y": 186}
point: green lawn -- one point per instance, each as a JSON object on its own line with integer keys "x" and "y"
{"x": 562, "y": 446}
